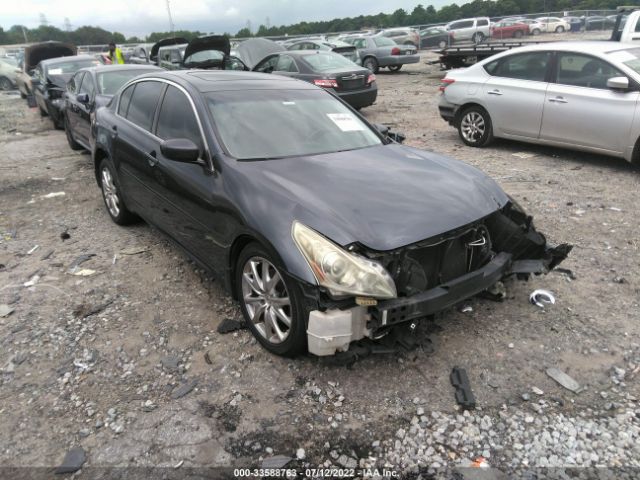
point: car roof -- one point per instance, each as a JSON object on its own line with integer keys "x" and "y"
{"x": 53, "y": 61}
{"x": 221, "y": 80}
{"x": 595, "y": 46}
{"x": 119, "y": 68}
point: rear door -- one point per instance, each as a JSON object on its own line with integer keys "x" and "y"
{"x": 579, "y": 109}
{"x": 137, "y": 148}
{"x": 515, "y": 93}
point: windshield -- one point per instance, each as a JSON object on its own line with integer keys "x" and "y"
{"x": 110, "y": 82}
{"x": 63, "y": 68}
{"x": 630, "y": 58}
{"x": 324, "y": 62}
{"x": 204, "y": 56}
{"x": 266, "y": 124}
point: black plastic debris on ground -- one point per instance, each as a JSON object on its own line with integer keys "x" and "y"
{"x": 65, "y": 236}
{"x": 464, "y": 395}
{"x": 229, "y": 325}
{"x": 183, "y": 389}
{"x": 73, "y": 461}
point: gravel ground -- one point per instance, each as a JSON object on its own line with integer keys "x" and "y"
{"x": 126, "y": 363}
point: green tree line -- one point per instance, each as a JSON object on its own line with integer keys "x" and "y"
{"x": 420, "y": 15}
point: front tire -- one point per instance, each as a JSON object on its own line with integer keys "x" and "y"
{"x": 5, "y": 84}
{"x": 475, "y": 127}
{"x": 559, "y": 29}
{"x": 395, "y": 68}
{"x": 271, "y": 303}
{"x": 536, "y": 31}
{"x": 442, "y": 44}
{"x": 517, "y": 34}
{"x": 112, "y": 196}
{"x": 371, "y": 63}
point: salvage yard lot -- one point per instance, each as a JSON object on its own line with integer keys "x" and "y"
{"x": 97, "y": 361}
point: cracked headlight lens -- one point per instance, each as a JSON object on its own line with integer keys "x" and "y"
{"x": 342, "y": 272}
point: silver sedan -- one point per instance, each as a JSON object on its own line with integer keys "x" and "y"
{"x": 579, "y": 95}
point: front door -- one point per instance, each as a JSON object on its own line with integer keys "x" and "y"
{"x": 580, "y": 110}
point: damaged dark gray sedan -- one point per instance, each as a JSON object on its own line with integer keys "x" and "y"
{"x": 325, "y": 229}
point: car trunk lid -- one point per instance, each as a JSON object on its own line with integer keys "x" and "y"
{"x": 218, "y": 43}
{"x": 153, "y": 56}
{"x": 253, "y": 50}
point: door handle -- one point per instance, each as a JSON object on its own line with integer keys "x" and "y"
{"x": 558, "y": 100}
{"x": 494, "y": 92}
{"x": 151, "y": 158}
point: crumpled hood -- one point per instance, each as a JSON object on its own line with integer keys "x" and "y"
{"x": 252, "y": 51}
{"x": 34, "y": 54}
{"x": 384, "y": 197}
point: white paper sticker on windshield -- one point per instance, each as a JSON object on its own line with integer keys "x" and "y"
{"x": 346, "y": 122}
{"x": 55, "y": 71}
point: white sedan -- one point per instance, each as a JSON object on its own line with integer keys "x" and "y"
{"x": 553, "y": 24}
{"x": 580, "y": 95}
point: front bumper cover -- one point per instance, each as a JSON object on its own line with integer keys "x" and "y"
{"x": 399, "y": 310}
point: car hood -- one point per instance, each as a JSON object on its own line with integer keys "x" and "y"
{"x": 153, "y": 55}
{"x": 383, "y": 197}
{"x": 34, "y": 54}
{"x": 212, "y": 42}
{"x": 253, "y": 50}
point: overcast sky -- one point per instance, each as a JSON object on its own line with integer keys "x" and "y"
{"x": 141, "y": 17}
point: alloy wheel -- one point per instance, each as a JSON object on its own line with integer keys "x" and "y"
{"x": 110, "y": 193}
{"x": 266, "y": 299}
{"x": 472, "y": 127}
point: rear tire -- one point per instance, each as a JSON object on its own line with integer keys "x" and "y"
{"x": 395, "y": 68}
{"x": 478, "y": 37}
{"x": 5, "y": 84}
{"x": 371, "y": 63}
{"x": 274, "y": 313}
{"x": 70, "y": 140}
{"x": 475, "y": 127}
{"x": 442, "y": 44}
{"x": 517, "y": 34}
{"x": 559, "y": 29}
{"x": 112, "y": 196}
{"x": 536, "y": 31}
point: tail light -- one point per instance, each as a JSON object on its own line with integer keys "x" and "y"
{"x": 326, "y": 82}
{"x": 395, "y": 51}
{"x": 371, "y": 78}
{"x": 444, "y": 83}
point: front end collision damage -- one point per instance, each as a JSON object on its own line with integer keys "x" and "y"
{"x": 432, "y": 276}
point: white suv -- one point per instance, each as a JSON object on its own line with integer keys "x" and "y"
{"x": 474, "y": 29}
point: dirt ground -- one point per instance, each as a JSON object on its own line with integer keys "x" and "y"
{"x": 96, "y": 361}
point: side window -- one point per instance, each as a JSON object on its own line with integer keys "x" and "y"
{"x": 87, "y": 85}
{"x": 268, "y": 65}
{"x": 483, "y": 23}
{"x": 360, "y": 43}
{"x": 176, "y": 118}
{"x": 524, "y": 66}
{"x": 584, "y": 71}
{"x": 142, "y": 106}
{"x": 286, "y": 64}
{"x": 461, "y": 24}
{"x": 125, "y": 98}
{"x": 175, "y": 56}
{"x": 72, "y": 86}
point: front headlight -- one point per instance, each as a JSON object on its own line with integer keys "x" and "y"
{"x": 343, "y": 273}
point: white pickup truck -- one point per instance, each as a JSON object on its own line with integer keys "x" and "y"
{"x": 627, "y": 27}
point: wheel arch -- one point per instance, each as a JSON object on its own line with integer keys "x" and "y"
{"x": 98, "y": 156}
{"x": 465, "y": 107}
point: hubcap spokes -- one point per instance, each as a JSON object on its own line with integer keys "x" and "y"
{"x": 110, "y": 193}
{"x": 266, "y": 299}
{"x": 472, "y": 127}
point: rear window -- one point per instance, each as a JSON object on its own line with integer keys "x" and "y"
{"x": 383, "y": 42}
{"x": 324, "y": 62}
{"x": 483, "y": 23}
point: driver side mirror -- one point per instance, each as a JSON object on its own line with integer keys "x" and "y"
{"x": 618, "y": 83}
{"x": 82, "y": 98}
{"x": 180, "y": 150}
{"x": 393, "y": 136}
